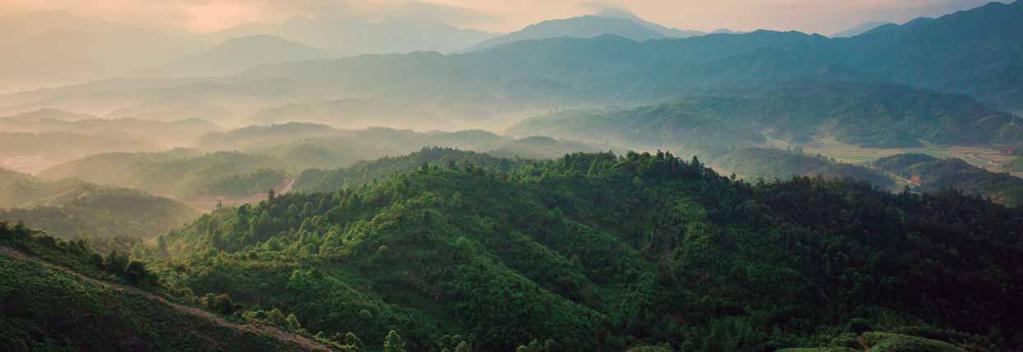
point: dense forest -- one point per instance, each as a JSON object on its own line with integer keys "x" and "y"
{"x": 328, "y": 181}
{"x": 597, "y": 251}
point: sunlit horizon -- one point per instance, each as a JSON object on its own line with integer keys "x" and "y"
{"x": 824, "y": 17}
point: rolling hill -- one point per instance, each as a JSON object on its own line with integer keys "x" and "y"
{"x": 949, "y": 54}
{"x": 107, "y": 217}
{"x": 305, "y": 145}
{"x": 181, "y": 174}
{"x": 170, "y": 132}
{"x": 929, "y": 174}
{"x": 866, "y": 115}
{"x": 364, "y": 172}
{"x": 775, "y": 164}
{"x": 596, "y": 251}
{"x": 54, "y": 295}
{"x": 50, "y": 148}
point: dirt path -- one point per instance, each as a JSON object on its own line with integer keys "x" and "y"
{"x": 288, "y": 184}
{"x": 302, "y": 342}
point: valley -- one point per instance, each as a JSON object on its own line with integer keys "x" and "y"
{"x": 992, "y": 158}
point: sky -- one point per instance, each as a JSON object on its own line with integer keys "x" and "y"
{"x": 813, "y": 16}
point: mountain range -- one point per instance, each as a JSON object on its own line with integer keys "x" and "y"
{"x": 349, "y": 36}
{"x": 607, "y": 22}
{"x": 942, "y": 54}
{"x": 240, "y": 53}
{"x": 859, "y": 29}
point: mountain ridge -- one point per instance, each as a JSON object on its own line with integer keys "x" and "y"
{"x": 608, "y": 22}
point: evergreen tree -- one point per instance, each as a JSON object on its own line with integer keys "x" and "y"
{"x": 354, "y": 341}
{"x": 393, "y": 342}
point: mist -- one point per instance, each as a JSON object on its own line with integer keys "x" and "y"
{"x": 531, "y": 176}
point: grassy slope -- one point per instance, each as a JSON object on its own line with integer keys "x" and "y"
{"x": 53, "y": 299}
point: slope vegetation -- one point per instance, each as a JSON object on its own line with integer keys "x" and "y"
{"x": 54, "y": 307}
{"x": 860, "y": 114}
{"x": 597, "y": 251}
{"x": 930, "y": 174}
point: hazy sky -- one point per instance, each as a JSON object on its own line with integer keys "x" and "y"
{"x": 822, "y": 16}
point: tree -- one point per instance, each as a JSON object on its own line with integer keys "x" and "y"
{"x": 533, "y": 346}
{"x": 393, "y": 342}
{"x": 161, "y": 247}
{"x": 354, "y": 341}
{"x": 220, "y": 303}
{"x": 292, "y": 322}
{"x": 463, "y": 347}
{"x": 136, "y": 271}
{"x": 116, "y": 263}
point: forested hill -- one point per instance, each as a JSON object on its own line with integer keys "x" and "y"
{"x": 871, "y": 115}
{"x": 597, "y": 251}
{"x": 930, "y": 174}
{"x": 976, "y": 52}
{"x": 317, "y": 180}
{"x": 105, "y": 216}
{"x": 58, "y": 295}
{"x": 776, "y": 164}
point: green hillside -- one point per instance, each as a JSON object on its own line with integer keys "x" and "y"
{"x": 933, "y": 174}
{"x": 596, "y": 251}
{"x": 107, "y": 217}
{"x": 861, "y": 114}
{"x": 318, "y": 180}
{"x": 179, "y": 173}
{"x": 18, "y": 189}
{"x": 74, "y": 304}
{"x": 775, "y": 164}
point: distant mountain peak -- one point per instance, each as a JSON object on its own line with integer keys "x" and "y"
{"x": 615, "y": 22}
{"x": 617, "y": 13}
{"x": 240, "y": 53}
